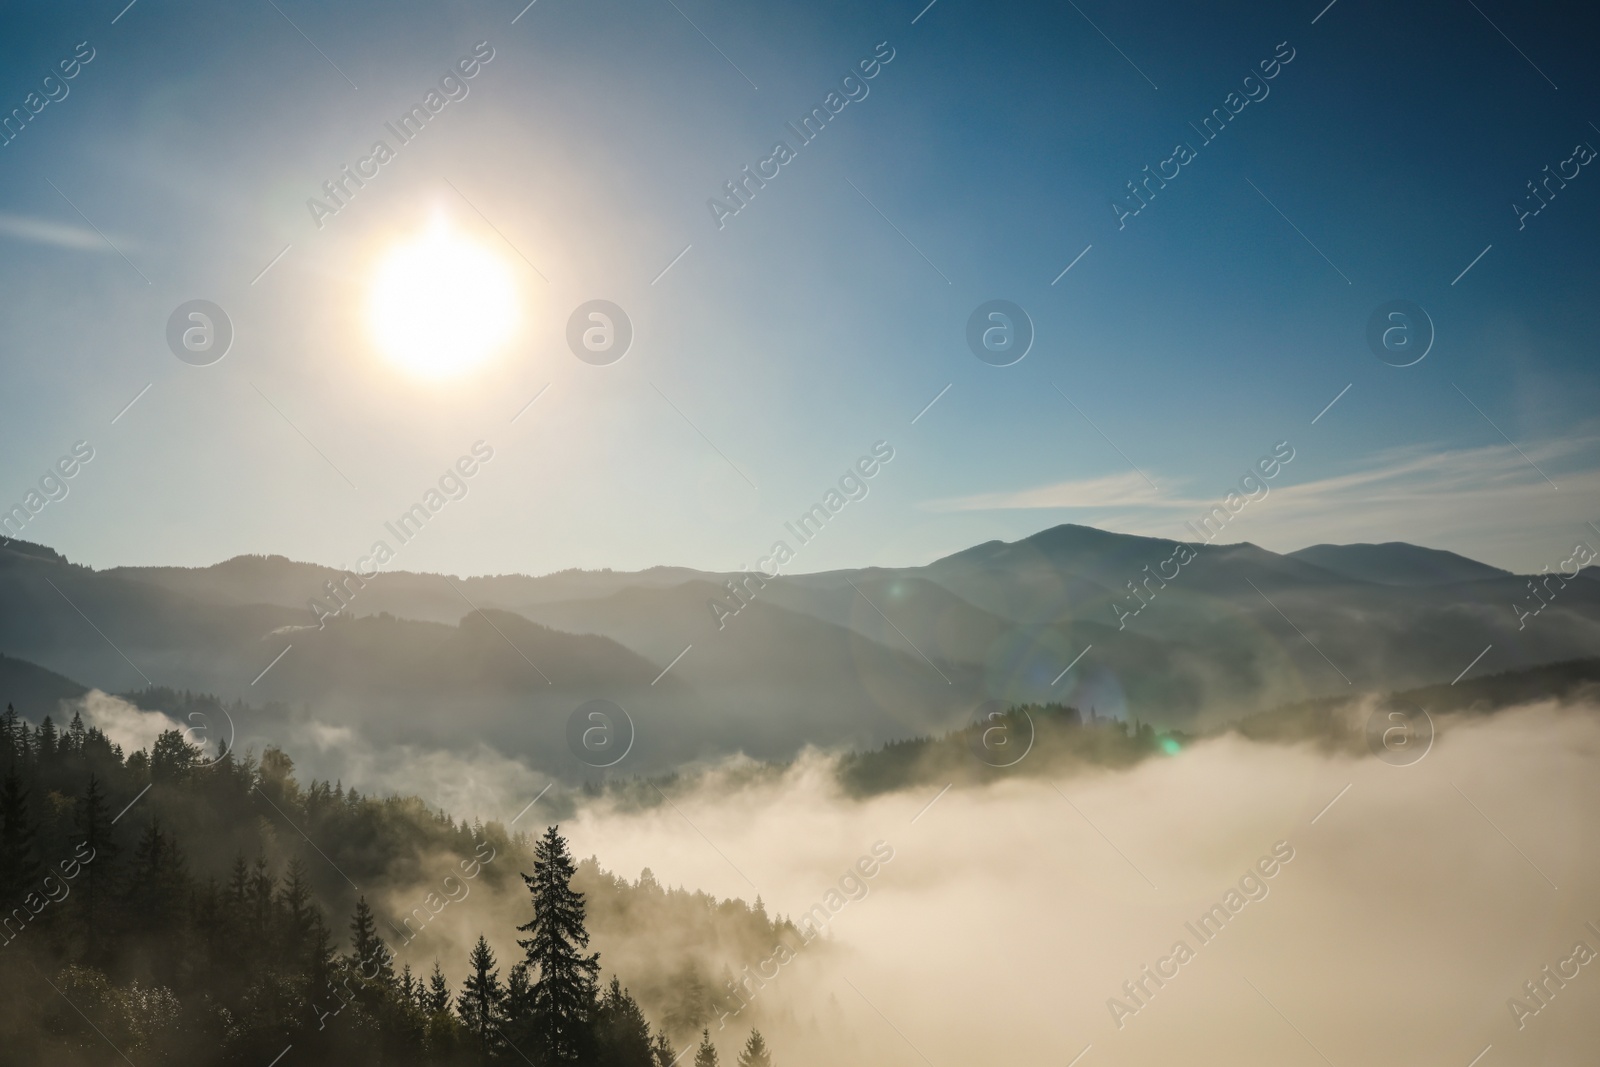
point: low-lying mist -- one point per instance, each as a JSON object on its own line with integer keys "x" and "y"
{"x": 1009, "y": 916}
{"x": 1239, "y": 901}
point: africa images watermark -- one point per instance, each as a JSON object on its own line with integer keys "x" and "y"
{"x": 1252, "y": 887}
{"x": 852, "y": 886}
{"x": 742, "y": 190}
{"x": 1255, "y": 89}
{"x": 1582, "y": 155}
{"x": 1582, "y": 556}
{"x": 36, "y": 900}
{"x": 451, "y": 88}
{"x": 452, "y": 485}
{"x": 852, "y": 486}
{"x": 1550, "y": 981}
{"x": 54, "y": 89}
{"x": 432, "y": 904}
{"x": 1252, "y": 486}
{"x": 52, "y": 486}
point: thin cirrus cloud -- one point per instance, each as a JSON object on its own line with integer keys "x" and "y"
{"x": 54, "y": 234}
{"x": 1106, "y": 491}
{"x": 1476, "y": 501}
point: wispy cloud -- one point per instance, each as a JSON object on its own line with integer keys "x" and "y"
{"x": 1490, "y": 503}
{"x": 1109, "y": 491}
{"x": 55, "y": 234}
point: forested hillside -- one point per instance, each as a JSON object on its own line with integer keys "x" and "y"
{"x": 166, "y": 907}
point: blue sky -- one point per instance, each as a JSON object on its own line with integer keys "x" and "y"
{"x": 825, "y": 315}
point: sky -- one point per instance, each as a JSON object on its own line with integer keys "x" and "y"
{"x": 1387, "y": 158}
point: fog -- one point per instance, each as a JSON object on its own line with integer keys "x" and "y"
{"x": 1379, "y": 914}
{"x": 1010, "y": 915}
{"x": 123, "y": 724}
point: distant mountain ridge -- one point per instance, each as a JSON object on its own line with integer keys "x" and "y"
{"x": 851, "y": 657}
{"x": 1398, "y": 563}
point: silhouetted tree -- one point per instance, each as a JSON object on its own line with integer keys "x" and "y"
{"x": 19, "y": 863}
{"x": 369, "y": 956}
{"x": 482, "y": 999}
{"x": 706, "y": 1054}
{"x": 563, "y": 992}
{"x": 622, "y": 1037}
{"x": 437, "y": 998}
{"x": 96, "y": 851}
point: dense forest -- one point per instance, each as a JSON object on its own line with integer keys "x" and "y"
{"x": 155, "y": 915}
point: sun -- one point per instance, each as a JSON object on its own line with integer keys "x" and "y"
{"x": 440, "y": 304}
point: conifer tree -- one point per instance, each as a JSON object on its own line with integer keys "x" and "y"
{"x": 258, "y": 915}
{"x": 755, "y": 1053}
{"x": 97, "y": 851}
{"x": 48, "y": 742}
{"x": 706, "y": 1054}
{"x": 72, "y": 742}
{"x": 19, "y": 864}
{"x": 410, "y": 988}
{"x": 482, "y": 1000}
{"x": 661, "y": 1050}
{"x": 692, "y": 1001}
{"x": 238, "y": 887}
{"x": 158, "y": 900}
{"x": 158, "y": 888}
{"x": 622, "y": 1037}
{"x": 320, "y": 953}
{"x": 519, "y": 991}
{"x": 295, "y": 901}
{"x": 370, "y": 957}
{"x": 13, "y": 739}
{"x": 563, "y": 993}
{"x": 437, "y": 998}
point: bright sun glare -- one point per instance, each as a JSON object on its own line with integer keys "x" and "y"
{"x": 440, "y": 304}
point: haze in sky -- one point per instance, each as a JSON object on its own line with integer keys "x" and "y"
{"x": 1203, "y": 215}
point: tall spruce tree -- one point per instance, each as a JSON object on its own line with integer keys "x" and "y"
{"x": 563, "y": 994}
{"x": 482, "y": 1001}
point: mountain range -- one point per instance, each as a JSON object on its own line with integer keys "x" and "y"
{"x": 847, "y": 658}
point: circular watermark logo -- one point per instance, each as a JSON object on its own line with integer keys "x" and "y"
{"x": 1400, "y": 332}
{"x": 1001, "y": 739}
{"x": 205, "y": 728}
{"x": 199, "y": 332}
{"x": 999, "y": 333}
{"x": 599, "y": 733}
{"x": 599, "y": 332}
{"x": 1400, "y": 736}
